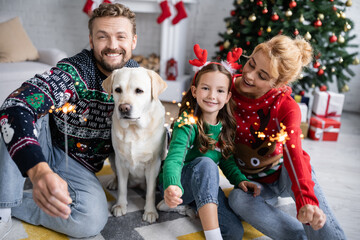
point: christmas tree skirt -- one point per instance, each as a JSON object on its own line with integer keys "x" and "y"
{"x": 168, "y": 226}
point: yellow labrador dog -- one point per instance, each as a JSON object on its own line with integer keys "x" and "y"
{"x": 138, "y": 134}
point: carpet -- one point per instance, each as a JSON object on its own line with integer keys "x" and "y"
{"x": 168, "y": 226}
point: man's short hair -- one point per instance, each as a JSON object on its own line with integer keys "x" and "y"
{"x": 112, "y": 10}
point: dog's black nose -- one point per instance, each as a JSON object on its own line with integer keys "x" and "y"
{"x": 125, "y": 108}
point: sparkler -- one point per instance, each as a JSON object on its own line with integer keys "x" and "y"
{"x": 282, "y": 136}
{"x": 66, "y": 108}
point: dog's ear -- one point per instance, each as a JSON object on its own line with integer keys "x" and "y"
{"x": 107, "y": 84}
{"x": 158, "y": 85}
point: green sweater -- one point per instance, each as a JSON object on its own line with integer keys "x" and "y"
{"x": 184, "y": 148}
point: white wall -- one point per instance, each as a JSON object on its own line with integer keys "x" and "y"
{"x": 62, "y": 24}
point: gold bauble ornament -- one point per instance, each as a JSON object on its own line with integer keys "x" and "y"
{"x": 288, "y": 13}
{"x": 338, "y": 14}
{"x": 341, "y": 60}
{"x": 239, "y": 2}
{"x": 347, "y": 27}
{"x": 229, "y": 31}
{"x": 252, "y": 18}
{"x": 341, "y": 39}
{"x": 268, "y": 29}
{"x": 348, "y": 3}
{"x": 227, "y": 23}
{"x": 301, "y": 76}
{"x": 301, "y": 19}
{"x": 321, "y": 16}
{"x": 345, "y": 88}
{"x": 342, "y": 14}
{"x": 307, "y": 36}
{"x": 313, "y": 85}
{"x": 356, "y": 61}
{"x": 226, "y": 44}
{"x": 333, "y": 69}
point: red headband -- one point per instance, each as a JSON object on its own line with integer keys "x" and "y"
{"x": 230, "y": 64}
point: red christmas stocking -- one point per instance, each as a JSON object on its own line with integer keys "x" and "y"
{"x": 181, "y": 12}
{"x": 165, "y": 12}
{"x": 87, "y": 7}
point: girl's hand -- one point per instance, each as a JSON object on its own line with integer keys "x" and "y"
{"x": 312, "y": 215}
{"x": 245, "y": 185}
{"x": 172, "y": 196}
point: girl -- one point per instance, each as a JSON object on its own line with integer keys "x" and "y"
{"x": 264, "y": 108}
{"x": 190, "y": 171}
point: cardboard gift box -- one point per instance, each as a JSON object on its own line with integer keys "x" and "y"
{"x": 328, "y": 104}
{"x": 304, "y": 126}
{"x": 324, "y": 129}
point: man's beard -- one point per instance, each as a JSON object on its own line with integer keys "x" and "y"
{"x": 109, "y": 68}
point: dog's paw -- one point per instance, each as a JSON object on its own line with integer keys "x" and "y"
{"x": 150, "y": 217}
{"x": 112, "y": 184}
{"x": 119, "y": 210}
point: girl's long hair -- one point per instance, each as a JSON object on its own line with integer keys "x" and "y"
{"x": 225, "y": 115}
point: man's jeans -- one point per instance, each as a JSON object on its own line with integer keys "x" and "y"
{"x": 89, "y": 209}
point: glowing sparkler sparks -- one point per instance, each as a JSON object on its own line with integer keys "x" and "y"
{"x": 188, "y": 119}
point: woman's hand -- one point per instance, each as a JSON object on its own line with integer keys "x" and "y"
{"x": 312, "y": 215}
{"x": 172, "y": 196}
{"x": 245, "y": 186}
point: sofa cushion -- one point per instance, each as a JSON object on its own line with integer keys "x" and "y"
{"x": 15, "y": 45}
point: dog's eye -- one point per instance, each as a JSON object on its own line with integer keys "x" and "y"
{"x": 138, "y": 91}
{"x": 118, "y": 90}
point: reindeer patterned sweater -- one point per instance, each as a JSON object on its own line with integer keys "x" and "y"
{"x": 259, "y": 150}
{"x": 76, "y": 81}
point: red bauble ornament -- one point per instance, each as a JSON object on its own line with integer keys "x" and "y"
{"x": 333, "y": 38}
{"x": 264, "y": 11}
{"x": 316, "y": 64}
{"x": 323, "y": 88}
{"x": 320, "y": 72}
{"x": 292, "y": 4}
{"x": 296, "y": 32}
{"x": 259, "y": 3}
{"x": 233, "y": 13}
{"x": 275, "y": 17}
{"x": 317, "y": 23}
{"x": 221, "y": 47}
{"x": 248, "y": 43}
{"x": 331, "y": 0}
{"x": 334, "y": 8}
{"x": 318, "y": 56}
{"x": 259, "y": 32}
{"x": 302, "y": 93}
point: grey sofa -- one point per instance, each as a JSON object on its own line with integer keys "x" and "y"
{"x": 12, "y": 75}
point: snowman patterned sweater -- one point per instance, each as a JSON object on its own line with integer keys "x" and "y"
{"x": 77, "y": 81}
{"x": 259, "y": 154}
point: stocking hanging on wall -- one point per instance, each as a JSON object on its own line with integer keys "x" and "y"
{"x": 165, "y": 12}
{"x": 90, "y": 5}
{"x": 181, "y": 12}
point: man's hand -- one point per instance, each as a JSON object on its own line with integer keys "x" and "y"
{"x": 312, "y": 215}
{"x": 172, "y": 196}
{"x": 245, "y": 186}
{"x": 50, "y": 191}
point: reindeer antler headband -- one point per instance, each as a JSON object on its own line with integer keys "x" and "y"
{"x": 230, "y": 64}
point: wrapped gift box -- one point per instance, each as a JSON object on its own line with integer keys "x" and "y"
{"x": 328, "y": 104}
{"x": 304, "y": 111}
{"x": 324, "y": 129}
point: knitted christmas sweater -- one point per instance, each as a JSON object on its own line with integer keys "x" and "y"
{"x": 75, "y": 80}
{"x": 259, "y": 152}
{"x": 184, "y": 148}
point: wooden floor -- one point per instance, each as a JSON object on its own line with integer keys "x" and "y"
{"x": 337, "y": 166}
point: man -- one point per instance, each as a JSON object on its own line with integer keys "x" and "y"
{"x": 67, "y": 197}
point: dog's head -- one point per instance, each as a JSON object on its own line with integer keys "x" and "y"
{"x": 133, "y": 90}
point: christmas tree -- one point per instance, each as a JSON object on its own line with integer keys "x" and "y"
{"x": 321, "y": 22}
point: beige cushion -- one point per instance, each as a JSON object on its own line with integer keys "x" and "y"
{"x": 15, "y": 45}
